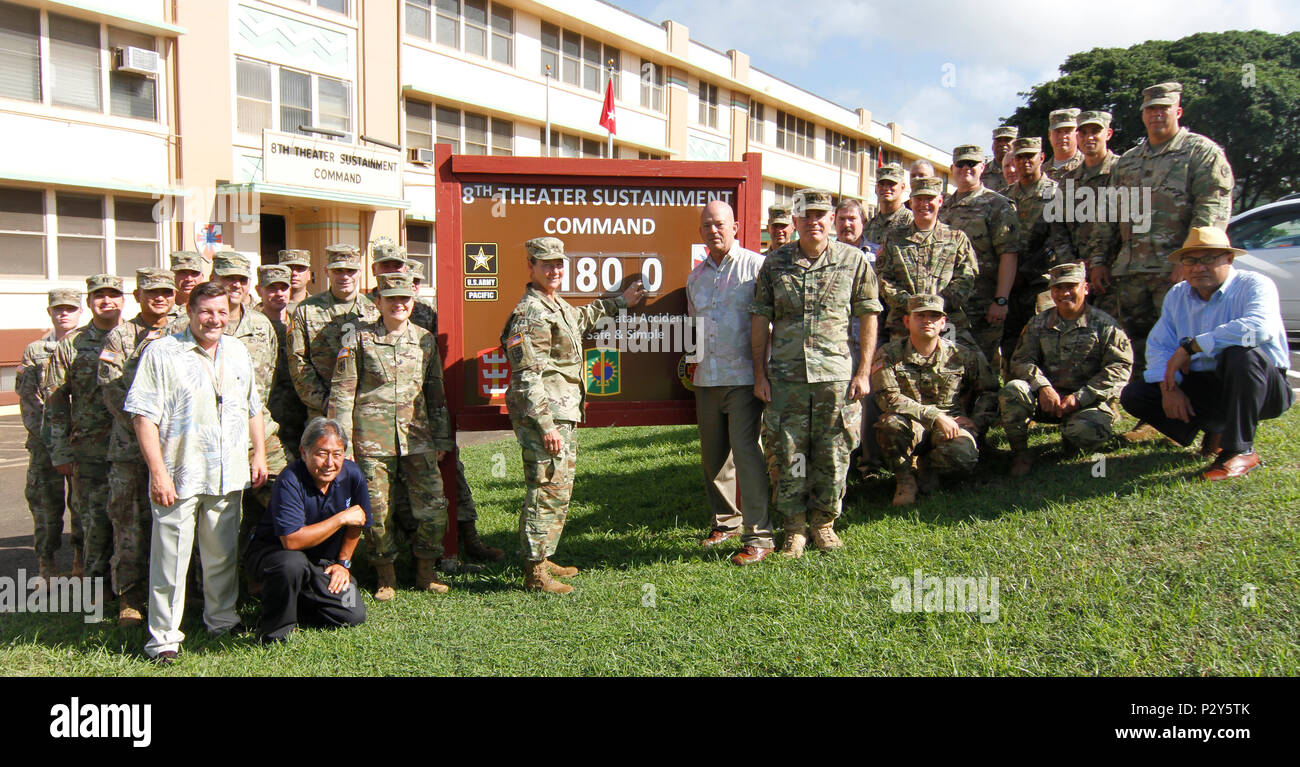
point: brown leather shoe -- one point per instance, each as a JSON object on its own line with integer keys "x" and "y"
{"x": 1211, "y": 445}
{"x": 1237, "y": 465}
{"x": 749, "y": 555}
{"x": 718, "y": 536}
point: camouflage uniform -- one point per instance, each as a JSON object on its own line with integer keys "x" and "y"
{"x": 913, "y": 391}
{"x": 129, "y": 508}
{"x": 287, "y": 411}
{"x": 45, "y": 486}
{"x": 1094, "y": 242}
{"x": 810, "y": 422}
{"x": 992, "y": 176}
{"x": 940, "y": 261}
{"x": 989, "y": 221}
{"x": 1058, "y": 173}
{"x": 543, "y": 339}
{"x": 387, "y": 392}
{"x": 1062, "y": 118}
{"x": 777, "y": 214}
{"x": 1089, "y": 357}
{"x": 79, "y": 427}
{"x": 1191, "y": 185}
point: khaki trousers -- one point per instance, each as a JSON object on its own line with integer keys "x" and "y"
{"x": 730, "y": 419}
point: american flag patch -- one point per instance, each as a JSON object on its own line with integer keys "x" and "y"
{"x": 107, "y": 355}
{"x": 515, "y": 340}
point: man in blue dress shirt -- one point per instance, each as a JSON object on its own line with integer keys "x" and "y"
{"x": 1216, "y": 359}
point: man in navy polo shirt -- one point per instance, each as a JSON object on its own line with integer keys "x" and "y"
{"x": 301, "y": 551}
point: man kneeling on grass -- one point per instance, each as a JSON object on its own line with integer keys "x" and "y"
{"x": 301, "y": 551}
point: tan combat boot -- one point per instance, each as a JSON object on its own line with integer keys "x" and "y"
{"x": 425, "y": 580}
{"x": 559, "y": 571}
{"x": 48, "y": 569}
{"x": 387, "y": 587}
{"x": 905, "y": 488}
{"x": 473, "y": 547}
{"x": 78, "y": 564}
{"x": 538, "y": 578}
{"x": 795, "y": 540}
{"x": 823, "y": 534}
{"x": 130, "y": 612}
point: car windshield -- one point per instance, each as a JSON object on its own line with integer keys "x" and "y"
{"x": 1275, "y": 229}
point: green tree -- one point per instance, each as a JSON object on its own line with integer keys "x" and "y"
{"x": 1241, "y": 89}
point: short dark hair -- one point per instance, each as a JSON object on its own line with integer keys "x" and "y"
{"x": 209, "y": 289}
{"x": 852, "y": 202}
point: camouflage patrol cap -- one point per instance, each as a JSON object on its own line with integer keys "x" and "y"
{"x": 1005, "y": 131}
{"x": 395, "y": 284}
{"x": 151, "y": 278}
{"x": 1063, "y": 118}
{"x": 231, "y": 263}
{"x": 100, "y": 281}
{"x": 65, "y": 297}
{"x": 340, "y": 255}
{"x": 1027, "y": 145}
{"x": 415, "y": 269}
{"x": 545, "y": 248}
{"x": 806, "y": 200}
{"x": 186, "y": 261}
{"x": 1061, "y": 274}
{"x": 384, "y": 249}
{"x": 925, "y": 302}
{"x": 967, "y": 152}
{"x": 779, "y": 214}
{"x": 891, "y": 171}
{"x": 1095, "y": 117}
{"x": 294, "y": 257}
{"x": 1162, "y": 94}
{"x": 930, "y": 186}
{"x": 270, "y": 274}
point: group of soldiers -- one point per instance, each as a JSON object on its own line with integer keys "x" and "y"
{"x": 72, "y": 385}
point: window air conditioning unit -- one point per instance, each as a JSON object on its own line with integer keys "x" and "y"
{"x": 422, "y": 156}
{"x": 139, "y": 61}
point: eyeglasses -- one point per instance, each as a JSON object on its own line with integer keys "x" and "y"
{"x": 1209, "y": 260}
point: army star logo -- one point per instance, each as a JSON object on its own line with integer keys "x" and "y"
{"x": 480, "y": 258}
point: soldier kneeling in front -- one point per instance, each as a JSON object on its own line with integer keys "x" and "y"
{"x": 1069, "y": 367}
{"x": 925, "y": 386}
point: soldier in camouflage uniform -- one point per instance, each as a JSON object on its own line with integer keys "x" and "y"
{"x": 993, "y": 177}
{"x": 989, "y": 221}
{"x": 128, "y": 476}
{"x": 188, "y": 269}
{"x": 45, "y": 486}
{"x": 1190, "y": 183}
{"x": 780, "y": 227}
{"x": 925, "y": 386}
{"x": 927, "y": 257}
{"x": 809, "y": 290}
{"x": 233, "y": 272}
{"x": 319, "y": 325}
{"x": 547, "y": 400}
{"x": 299, "y": 264}
{"x": 1063, "y": 125}
{"x": 1043, "y": 243}
{"x": 274, "y": 284}
{"x": 1069, "y": 368}
{"x": 1095, "y": 241}
{"x": 890, "y": 213}
{"x": 76, "y": 421}
{"x": 387, "y": 392}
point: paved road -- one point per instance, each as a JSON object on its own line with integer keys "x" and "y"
{"x": 16, "y": 521}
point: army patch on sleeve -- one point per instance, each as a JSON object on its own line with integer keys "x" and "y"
{"x": 877, "y": 366}
{"x": 515, "y": 340}
{"x": 108, "y": 355}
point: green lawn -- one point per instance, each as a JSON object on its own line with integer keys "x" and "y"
{"x": 1142, "y": 571}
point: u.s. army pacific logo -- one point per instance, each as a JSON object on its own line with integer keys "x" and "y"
{"x": 602, "y": 372}
{"x": 480, "y": 258}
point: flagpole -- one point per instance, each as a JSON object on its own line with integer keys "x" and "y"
{"x": 841, "y": 169}
{"x": 611, "y": 87}
{"x": 546, "y": 137}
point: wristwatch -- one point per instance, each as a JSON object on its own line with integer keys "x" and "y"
{"x": 346, "y": 563}
{"x": 1186, "y": 343}
{"x": 1000, "y": 301}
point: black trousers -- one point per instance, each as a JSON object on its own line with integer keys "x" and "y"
{"x": 294, "y": 590}
{"x": 1243, "y": 390}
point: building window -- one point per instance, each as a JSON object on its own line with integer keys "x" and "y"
{"x": 20, "y": 52}
{"x": 784, "y": 194}
{"x": 22, "y": 232}
{"x": 135, "y": 237}
{"x": 419, "y": 125}
{"x": 298, "y": 98}
{"x": 757, "y": 129}
{"x": 419, "y": 246}
{"x": 130, "y": 94}
{"x": 708, "y": 98}
{"x": 74, "y": 59}
{"x": 81, "y": 234}
{"x": 841, "y": 149}
{"x": 567, "y": 145}
{"x": 794, "y": 134}
{"x": 338, "y": 6}
{"x": 468, "y": 132}
{"x": 652, "y": 86}
{"x": 579, "y": 60}
{"x": 486, "y": 29}
{"x": 649, "y": 156}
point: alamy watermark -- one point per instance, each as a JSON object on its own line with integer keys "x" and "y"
{"x": 53, "y": 595}
{"x": 953, "y": 594}
{"x": 1109, "y": 205}
{"x": 75, "y": 719}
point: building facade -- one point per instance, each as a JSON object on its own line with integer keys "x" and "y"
{"x": 145, "y": 126}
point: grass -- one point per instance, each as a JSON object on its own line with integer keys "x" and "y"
{"x": 1140, "y": 572}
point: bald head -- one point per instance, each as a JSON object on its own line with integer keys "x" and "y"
{"x": 718, "y": 228}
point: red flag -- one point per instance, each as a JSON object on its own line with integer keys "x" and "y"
{"x": 607, "y": 111}
{"x": 880, "y": 158}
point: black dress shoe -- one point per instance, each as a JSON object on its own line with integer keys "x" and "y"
{"x": 166, "y": 657}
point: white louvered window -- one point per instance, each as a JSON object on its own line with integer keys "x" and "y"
{"x": 20, "y": 52}
{"x": 74, "y": 62}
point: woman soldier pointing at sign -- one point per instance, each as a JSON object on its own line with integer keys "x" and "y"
{"x": 543, "y": 339}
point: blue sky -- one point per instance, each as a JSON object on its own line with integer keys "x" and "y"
{"x": 997, "y": 48}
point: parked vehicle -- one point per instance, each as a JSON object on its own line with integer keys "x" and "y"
{"x": 1271, "y": 236}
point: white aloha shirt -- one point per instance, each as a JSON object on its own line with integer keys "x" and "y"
{"x": 206, "y": 453}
